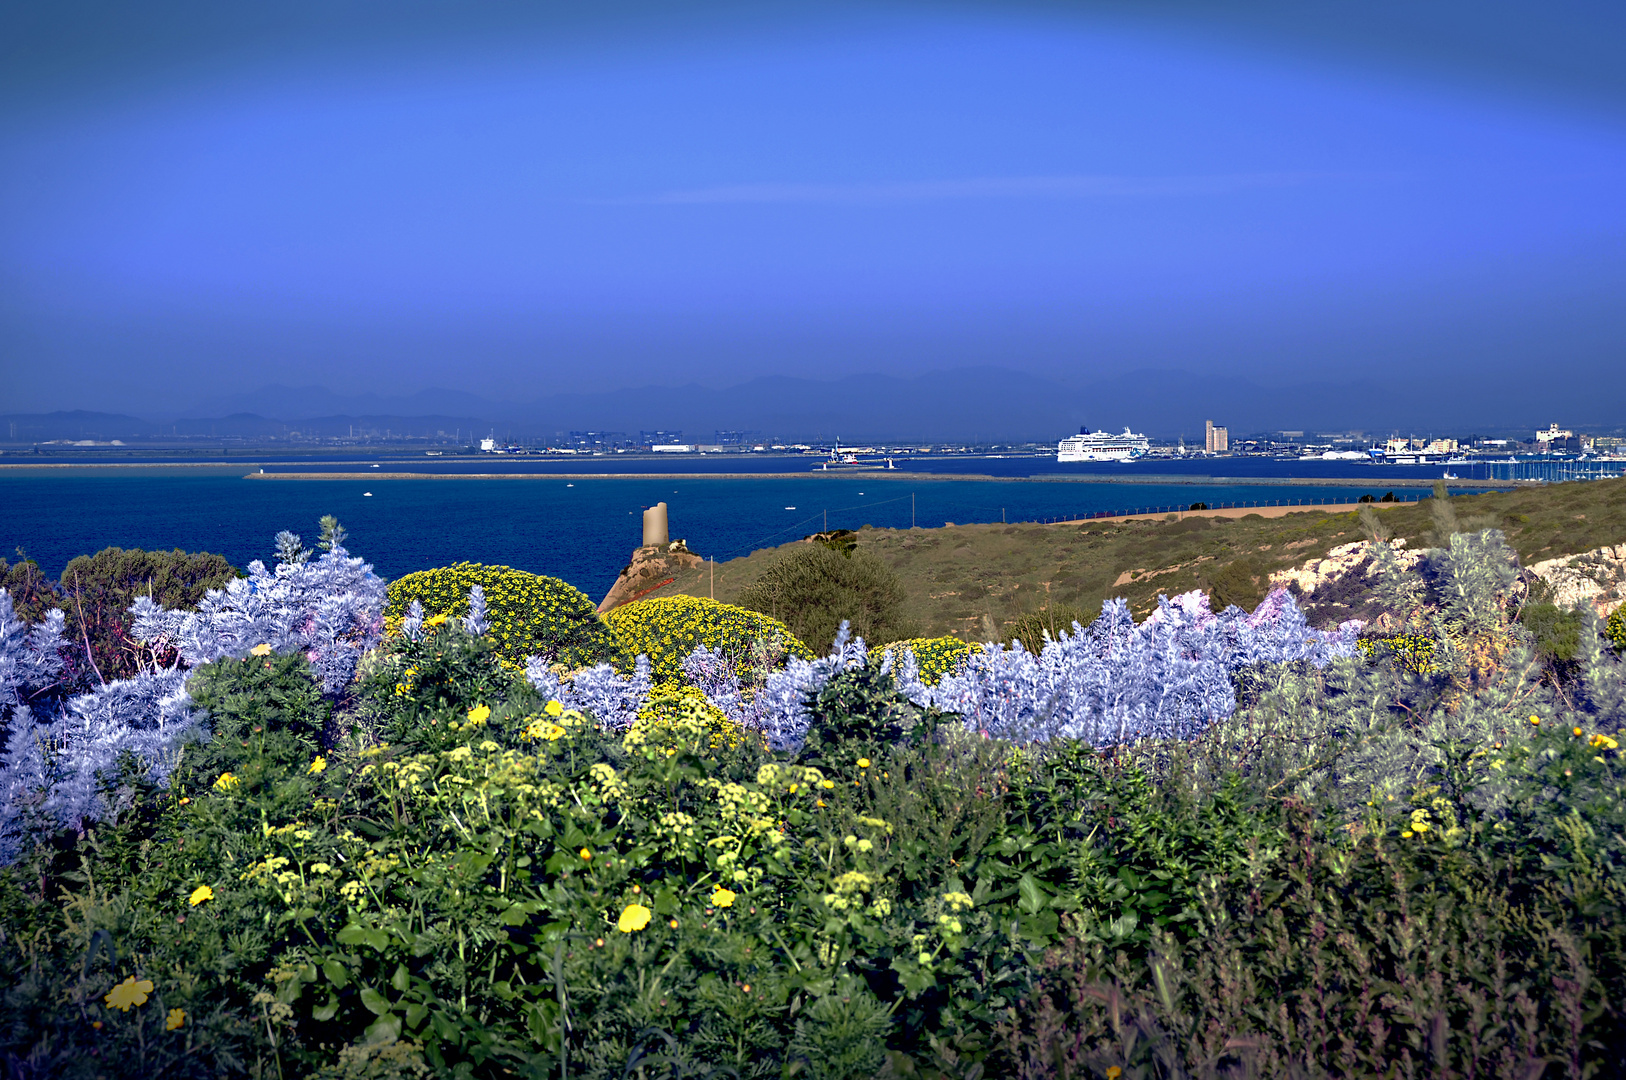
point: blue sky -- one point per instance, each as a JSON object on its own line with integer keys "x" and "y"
{"x": 518, "y": 207}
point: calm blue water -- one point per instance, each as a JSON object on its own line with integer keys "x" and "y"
{"x": 581, "y": 533}
{"x": 998, "y": 466}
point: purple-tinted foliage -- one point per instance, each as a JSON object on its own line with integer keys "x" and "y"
{"x": 331, "y": 608}
{"x": 475, "y": 622}
{"x": 611, "y": 699}
{"x": 1116, "y": 682}
{"x": 30, "y": 657}
{"x": 62, "y": 751}
{"x": 781, "y": 708}
{"x": 56, "y": 769}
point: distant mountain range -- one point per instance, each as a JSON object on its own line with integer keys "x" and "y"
{"x": 963, "y": 404}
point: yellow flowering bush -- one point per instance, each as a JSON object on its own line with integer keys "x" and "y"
{"x": 667, "y": 628}
{"x": 1614, "y": 629}
{"x": 937, "y": 656}
{"x": 678, "y": 719}
{"x": 1410, "y": 652}
{"x": 530, "y": 615}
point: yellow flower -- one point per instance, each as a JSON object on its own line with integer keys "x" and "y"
{"x": 129, "y": 993}
{"x": 434, "y": 620}
{"x": 863, "y": 763}
{"x": 176, "y": 1018}
{"x": 722, "y": 897}
{"x": 200, "y": 894}
{"x": 1113, "y": 1072}
{"x": 673, "y": 924}
{"x": 635, "y": 917}
{"x": 1576, "y": 732}
{"x": 1604, "y": 741}
{"x": 586, "y": 854}
{"x": 1535, "y": 719}
{"x": 226, "y": 782}
{"x": 480, "y": 714}
{"x": 553, "y": 708}
{"x": 318, "y": 765}
{"x": 261, "y": 650}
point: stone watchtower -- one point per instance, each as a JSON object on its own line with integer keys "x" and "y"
{"x": 654, "y": 562}
{"x": 655, "y": 526}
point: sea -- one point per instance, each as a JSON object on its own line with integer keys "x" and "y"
{"x": 579, "y": 519}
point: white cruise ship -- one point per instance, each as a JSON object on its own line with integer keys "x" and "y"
{"x": 1090, "y": 445}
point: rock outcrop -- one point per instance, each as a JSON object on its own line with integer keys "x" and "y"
{"x": 649, "y": 568}
{"x": 1316, "y": 574}
{"x": 1596, "y": 577}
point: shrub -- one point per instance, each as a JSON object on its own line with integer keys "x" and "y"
{"x": 668, "y": 628}
{"x": 1117, "y": 682}
{"x": 1555, "y": 631}
{"x": 1035, "y": 628}
{"x": 680, "y": 719}
{"x": 814, "y": 589}
{"x": 32, "y": 591}
{"x": 1615, "y": 629}
{"x": 1241, "y": 582}
{"x": 530, "y": 615}
{"x": 98, "y": 590}
{"x": 937, "y": 656}
{"x": 1410, "y": 652}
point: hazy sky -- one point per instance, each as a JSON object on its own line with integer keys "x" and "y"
{"x": 392, "y": 196}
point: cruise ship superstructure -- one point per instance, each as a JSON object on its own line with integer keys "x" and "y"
{"x": 1090, "y": 445}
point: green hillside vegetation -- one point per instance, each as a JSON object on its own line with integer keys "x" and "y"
{"x": 960, "y": 579}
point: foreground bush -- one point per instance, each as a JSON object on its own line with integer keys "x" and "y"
{"x": 530, "y": 615}
{"x": 1426, "y": 944}
{"x": 668, "y": 628}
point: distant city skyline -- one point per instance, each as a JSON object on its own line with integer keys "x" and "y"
{"x": 199, "y": 200}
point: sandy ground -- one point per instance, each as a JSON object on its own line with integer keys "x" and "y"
{"x": 1244, "y": 511}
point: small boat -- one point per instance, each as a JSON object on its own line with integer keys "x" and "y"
{"x": 1449, "y": 475}
{"x": 375, "y": 466}
{"x": 366, "y": 494}
{"x": 570, "y": 485}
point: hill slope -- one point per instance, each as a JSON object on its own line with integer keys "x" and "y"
{"x": 961, "y": 577}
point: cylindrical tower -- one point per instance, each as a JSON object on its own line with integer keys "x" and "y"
{"x": 655, "y": 526}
